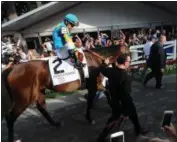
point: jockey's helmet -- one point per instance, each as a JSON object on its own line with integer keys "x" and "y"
{"x": 71, "y": 18}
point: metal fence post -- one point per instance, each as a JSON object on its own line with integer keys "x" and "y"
{"x": 174, "y": 51}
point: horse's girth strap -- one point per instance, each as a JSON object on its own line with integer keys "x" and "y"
{"x": 82, "y": 77}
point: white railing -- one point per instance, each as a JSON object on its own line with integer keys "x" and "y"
{"x": 138, "y": 59}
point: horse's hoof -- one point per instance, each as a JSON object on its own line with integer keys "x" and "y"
{"x": 59, "y": 124}
{"x": 18, "y": 141}
{"x": 62, "y": 123}
{"x": 87, "y": 117}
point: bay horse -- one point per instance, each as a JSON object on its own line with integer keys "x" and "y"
{"x": 26, "y": 84}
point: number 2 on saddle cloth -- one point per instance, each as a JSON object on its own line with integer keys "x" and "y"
{"x": 57, "y": 65}
{"x": 80, "y": 58}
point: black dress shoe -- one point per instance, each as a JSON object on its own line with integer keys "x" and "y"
{"x": 101, "y": 140}
{"x": 144, "y": 82}
{"x": 159, "y": 87}
{"x": 142, "y": 131}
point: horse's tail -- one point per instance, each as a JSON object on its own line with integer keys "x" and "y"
{"x": 5, "y": 93}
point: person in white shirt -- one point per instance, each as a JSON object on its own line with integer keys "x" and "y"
{"x": 47, "y": 46}
{"x": 22, "y": 55}
{"x": 146, "y": 50}
{"x": 78, "y": 43}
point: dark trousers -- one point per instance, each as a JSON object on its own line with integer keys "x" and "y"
{"x": 144, "y": 69}
{"x": 115, "y": 120}
{"x": 155, "y": 72}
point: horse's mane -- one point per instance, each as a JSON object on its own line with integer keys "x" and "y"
{"x": 106, "y": 51}
{"x": 109, "y": 51}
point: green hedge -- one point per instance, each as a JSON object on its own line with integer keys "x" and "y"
{"x": 170, "y": 69}
{"x": 52, "y": 94}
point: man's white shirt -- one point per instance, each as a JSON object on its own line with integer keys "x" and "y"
{"x": 49, "y": 46}
{"x": 147, "y": 48}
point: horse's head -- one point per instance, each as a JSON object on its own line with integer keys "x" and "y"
{"x": 17, "y": 59}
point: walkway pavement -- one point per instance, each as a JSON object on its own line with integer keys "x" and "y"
{"x": 150, "y": 104}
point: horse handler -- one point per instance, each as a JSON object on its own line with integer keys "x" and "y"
{"x": 122, "y": 102}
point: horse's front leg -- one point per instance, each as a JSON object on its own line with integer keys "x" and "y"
{"x": 10, "y": 125}
{"x": 91, "y": 95}
{"x": 41, "y": 106}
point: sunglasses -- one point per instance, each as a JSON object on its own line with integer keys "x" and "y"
{"x": 73, "y": 25}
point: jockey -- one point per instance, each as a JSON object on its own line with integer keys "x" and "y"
{"x": 63, "y": 44}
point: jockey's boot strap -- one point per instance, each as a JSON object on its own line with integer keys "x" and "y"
{"x": 78, "y": 65}
{"x": 72, "y": 54}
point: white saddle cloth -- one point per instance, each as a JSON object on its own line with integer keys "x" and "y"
{"x": 65, "y": 72}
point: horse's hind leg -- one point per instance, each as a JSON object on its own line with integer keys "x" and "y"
{"x": 12, "y": 116}
{"x": 41, "y": 104}
{"x": 10, "y": 119}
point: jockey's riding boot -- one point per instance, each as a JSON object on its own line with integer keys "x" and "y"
{"x": 72, "y": 54}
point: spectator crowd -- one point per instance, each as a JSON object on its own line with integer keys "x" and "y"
{"x": 84, "y": 41}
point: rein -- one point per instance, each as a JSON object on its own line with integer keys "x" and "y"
{"x": 101, "y": 57}
{"x": 94, "y": 53}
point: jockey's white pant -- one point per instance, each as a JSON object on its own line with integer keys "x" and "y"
{"x": 63, "y": 53}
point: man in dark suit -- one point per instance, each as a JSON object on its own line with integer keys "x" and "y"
{"x": 121, "y": 101}
{"x": 157, "y": 62}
